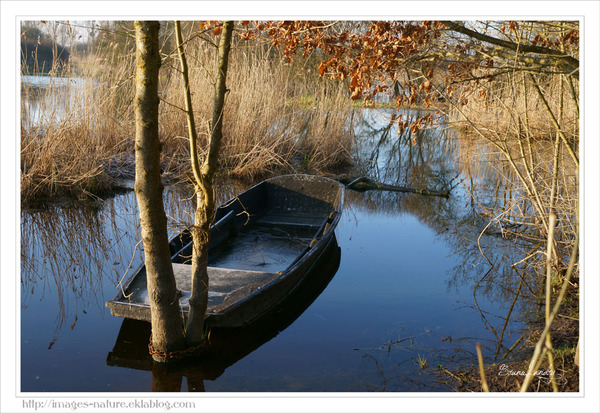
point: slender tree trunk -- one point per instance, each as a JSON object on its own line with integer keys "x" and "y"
{"x": 204, "y": 177}
{"x": 167, "y": 331}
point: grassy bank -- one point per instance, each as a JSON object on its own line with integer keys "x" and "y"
{"x": 74, "y": 125}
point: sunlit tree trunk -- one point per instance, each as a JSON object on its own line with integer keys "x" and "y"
{"x": 204, "y": 178}
{"x": 167, "y": 329}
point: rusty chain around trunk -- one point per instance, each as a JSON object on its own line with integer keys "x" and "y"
{"x": 177, "y": 354}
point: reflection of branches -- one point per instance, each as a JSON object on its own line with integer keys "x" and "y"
{"x": 505, "y": 186}
{"x": 483, "y": 317}
{"x": 71, "y": 252}
{"x": 397, "y": 159}
{"x": 512, "y": 306}
{"x": 379, "y": 370}
{"x": 73, "y": 248}
{"x": 432, "y": 157}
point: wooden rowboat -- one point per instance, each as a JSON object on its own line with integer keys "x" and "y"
{"x": 263, "y": 244}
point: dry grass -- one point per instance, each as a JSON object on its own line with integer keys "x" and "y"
{"x": 511, "y": 105}
{"x": 268, "y": 123}
{"x": 278, "y": 117}
{"x": 72, "y": 127}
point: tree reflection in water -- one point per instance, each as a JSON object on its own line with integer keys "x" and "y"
{"x": 74, "y": 252}
{"x": 491, "y": 262}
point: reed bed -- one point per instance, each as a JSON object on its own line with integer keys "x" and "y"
{"x": 275, "y": 113}
{"x": 513, "y": 105}
{"x": 73, "y": 124}
{"x": 77, "y": 130}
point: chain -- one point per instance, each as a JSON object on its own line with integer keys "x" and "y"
{"x": 177, "y": 354}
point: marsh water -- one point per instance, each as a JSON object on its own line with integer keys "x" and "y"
{"x": 407, "y": 291}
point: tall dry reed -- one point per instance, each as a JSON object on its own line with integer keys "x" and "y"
{"x": 74, "y": 124}
{"x": 279, "y": 116}
{"x": 276, "y": 113}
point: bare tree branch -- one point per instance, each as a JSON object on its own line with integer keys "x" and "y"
{"x": 556, "y": 55}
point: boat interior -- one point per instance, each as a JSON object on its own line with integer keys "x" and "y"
{"x": 256, "y": 237}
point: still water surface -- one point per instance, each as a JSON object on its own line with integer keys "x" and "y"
{"x": 403, "y": 292}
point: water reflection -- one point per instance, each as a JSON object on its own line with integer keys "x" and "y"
{"x": 418, "y": 277}
{"x": 227, "y": 346}
{"x": 50, "y": 99}
{"x": 435, "y": 158}
{"x": 69, "y": 253}
{"x": 76, "y": 253}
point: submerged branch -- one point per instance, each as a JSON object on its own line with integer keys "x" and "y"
{"x": 361, "y": 184}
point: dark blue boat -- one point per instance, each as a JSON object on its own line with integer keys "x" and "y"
{"x": 263, "y": 244}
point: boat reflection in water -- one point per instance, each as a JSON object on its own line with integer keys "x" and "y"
{"x": 227, "y": 345}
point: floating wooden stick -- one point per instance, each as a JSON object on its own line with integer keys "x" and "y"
{"x": 362, "y": 184}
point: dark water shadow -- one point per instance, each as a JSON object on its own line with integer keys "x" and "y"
{"x": 227, "y": 346}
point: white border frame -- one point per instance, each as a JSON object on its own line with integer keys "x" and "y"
{"x": 588, "y": 12}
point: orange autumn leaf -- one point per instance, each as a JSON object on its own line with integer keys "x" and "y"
{"x": 322, "y": 68}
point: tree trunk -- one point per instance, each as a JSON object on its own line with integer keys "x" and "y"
{"x": 167, "y": 331}
{"x": 204, "y": 189}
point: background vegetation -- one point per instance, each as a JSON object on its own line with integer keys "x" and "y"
{"x": 279, "y": 115}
